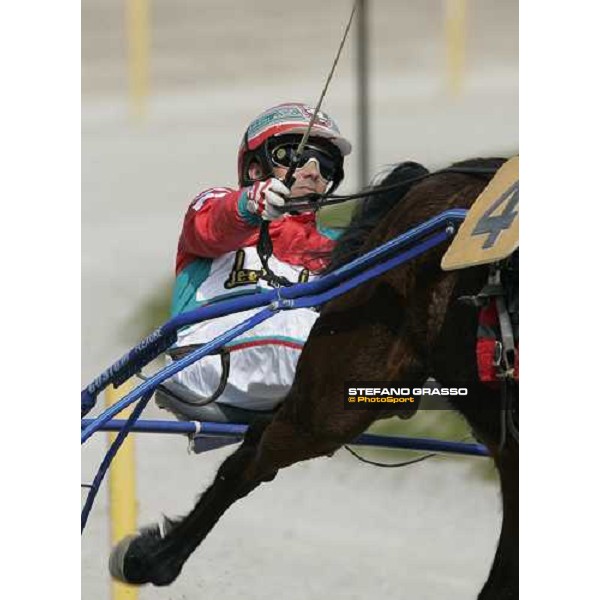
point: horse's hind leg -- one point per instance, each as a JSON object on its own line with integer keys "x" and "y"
{"x": 503, "y": 581}
{"x": 149, "y": 557}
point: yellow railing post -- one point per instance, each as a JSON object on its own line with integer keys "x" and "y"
{"x": 122, "y": 495}
{"x": 138, "y": 42}
{"x": 455, "y": 25}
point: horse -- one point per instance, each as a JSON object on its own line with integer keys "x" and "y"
{"x": 405, "y": 325}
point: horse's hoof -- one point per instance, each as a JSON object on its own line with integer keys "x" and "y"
{"x": 119, "y": 563}
{"x": 130, "y": 560}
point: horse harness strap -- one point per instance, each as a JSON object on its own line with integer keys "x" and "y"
{"x": 505, "y": 361}
{"x": 498, "y": 308}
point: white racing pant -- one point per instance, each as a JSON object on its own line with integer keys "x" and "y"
{"x": 263, "y": 360}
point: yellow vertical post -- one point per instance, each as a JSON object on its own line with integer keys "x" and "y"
{"x": 122, "y": 495}
{"x": 455, "y": 26}
{"x": 138, "y": 42}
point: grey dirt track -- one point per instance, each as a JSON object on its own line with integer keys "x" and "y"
{"x": 329, "y": 528}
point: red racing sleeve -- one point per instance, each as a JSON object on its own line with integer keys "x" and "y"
{"x": 217, "y": 222}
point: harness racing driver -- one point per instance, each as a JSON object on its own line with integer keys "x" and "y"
{"x": 217, "y": 254}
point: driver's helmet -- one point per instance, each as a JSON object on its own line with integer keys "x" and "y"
{"x": 277, "y": 128}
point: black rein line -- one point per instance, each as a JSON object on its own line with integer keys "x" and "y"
{"x": 316, "y": 201}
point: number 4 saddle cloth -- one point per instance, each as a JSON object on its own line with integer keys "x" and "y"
{"x": 489, "y": 235}
{"x": 490, "y": 232}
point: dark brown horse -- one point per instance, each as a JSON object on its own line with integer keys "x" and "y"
{"x": 405, "y": 325}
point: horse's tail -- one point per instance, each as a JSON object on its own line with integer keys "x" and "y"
{"x": 373, "y": 208}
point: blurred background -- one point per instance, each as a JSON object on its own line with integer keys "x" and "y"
{"x": 168, "y": 87}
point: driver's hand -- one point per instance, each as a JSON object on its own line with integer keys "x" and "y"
{"x": 267, "y": 198}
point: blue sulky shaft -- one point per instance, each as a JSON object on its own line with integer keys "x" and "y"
{"x": 152, "y": 382}
{"x": 368, "y": 266}
{"x": 162, "y": 338}
{"x": 267, "y": 313}
{"x": 238, "y": 431}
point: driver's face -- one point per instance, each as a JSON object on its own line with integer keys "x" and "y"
{"x": 308, "y": 179}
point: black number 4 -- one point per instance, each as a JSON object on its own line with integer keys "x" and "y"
{"x": 492, "y": 224}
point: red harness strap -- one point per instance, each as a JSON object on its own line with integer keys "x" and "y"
{"x": 489, "y": 345}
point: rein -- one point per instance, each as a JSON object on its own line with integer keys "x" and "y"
{"x": 313, "y": 202}
{"x": 317, "y": 201}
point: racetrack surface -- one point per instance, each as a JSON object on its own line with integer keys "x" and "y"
{"x": 329, "y": 528}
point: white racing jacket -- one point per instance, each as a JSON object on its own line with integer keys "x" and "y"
{"x": 217, "y": 259}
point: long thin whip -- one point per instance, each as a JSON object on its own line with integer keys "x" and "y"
{"x": 298, "y": 153}
{"x": 265, "y": 246}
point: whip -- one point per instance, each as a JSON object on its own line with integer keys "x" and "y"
{"x": 265, "y": 245}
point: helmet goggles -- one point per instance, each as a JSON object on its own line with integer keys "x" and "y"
{"x": 281, "y": 155}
